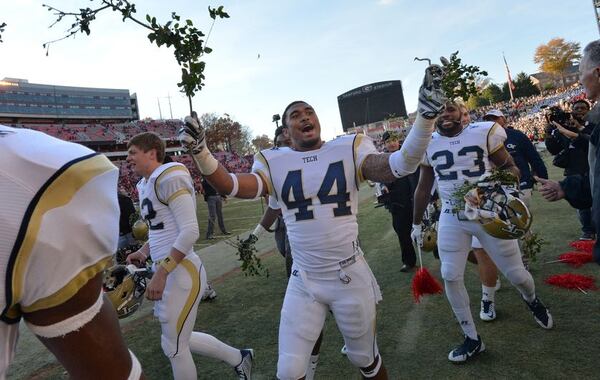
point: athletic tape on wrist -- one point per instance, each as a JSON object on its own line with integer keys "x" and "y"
{"x": 236, "y": 185}
{"x": 260, "y": 186}
{"x": 168, "y": 263}
{"x": 259, "y": 230}
{"x": 205, "y": 161}
{"x": 70, "y": 324}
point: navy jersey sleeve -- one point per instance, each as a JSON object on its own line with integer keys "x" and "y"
{"x": 533, "y": 157}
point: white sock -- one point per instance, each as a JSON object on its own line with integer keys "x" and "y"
{"x": 488, "y": 293}
{"x": 459, "y": 300}
{"x": 183, "y": 366}
{"x": 208, "y": 345}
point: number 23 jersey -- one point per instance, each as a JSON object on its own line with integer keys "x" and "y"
{"x": 318, "y": 194}
{"x": 464, "y": 157}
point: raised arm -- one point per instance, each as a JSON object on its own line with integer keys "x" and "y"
{"x": 387, "y": 167}
{"x": 248, "y": 186}
{"x": 432, "y": 100}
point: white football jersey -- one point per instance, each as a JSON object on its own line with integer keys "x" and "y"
{"x": 59, "y": 220}
{"x": 166, "y": 183}
{"x": 462, "y": 158}
{"x": 318, "y": 194}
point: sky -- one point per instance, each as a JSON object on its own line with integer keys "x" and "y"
{"x": 272, "y": 52}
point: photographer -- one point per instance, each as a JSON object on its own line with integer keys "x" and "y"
{"x": 567, "y": 138}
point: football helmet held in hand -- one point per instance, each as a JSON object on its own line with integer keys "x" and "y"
{"x": 124, "y": 286}
{"x": 191, "y": 135}
{"x": 507, "y": 216}
{"x": 429, "y": 238}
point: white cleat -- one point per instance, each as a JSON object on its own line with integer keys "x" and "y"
{"x": 244, "y": 369}
{"x": 488, "y": 311}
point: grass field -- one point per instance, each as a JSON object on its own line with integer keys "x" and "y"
{"x": 414, "y": 339}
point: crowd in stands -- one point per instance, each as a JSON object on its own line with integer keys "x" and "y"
{"x": 118, "y": 132}
{"x": 527, "y": 114}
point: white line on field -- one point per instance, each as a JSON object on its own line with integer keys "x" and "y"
{"x": 411, "y": 329}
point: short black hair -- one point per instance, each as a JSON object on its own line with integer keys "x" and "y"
{"x": 581, "y": 101}
{"x": 284, "y": 115}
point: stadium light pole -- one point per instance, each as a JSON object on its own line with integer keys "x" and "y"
{"x": 596, "y": 6}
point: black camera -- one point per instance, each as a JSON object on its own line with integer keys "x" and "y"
{"x": 558, "y": 115}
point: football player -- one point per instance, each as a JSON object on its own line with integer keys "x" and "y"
{"x": 316, "y": 185}
{"x": 59, "y": 227}
{"x": 455, "y": 156}
{"x": 272, "y": 215}
{"x": 168, "y": 204}
{"x": 488, "y": 273}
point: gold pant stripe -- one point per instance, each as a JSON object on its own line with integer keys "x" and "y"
{"x": 192, "y": 296}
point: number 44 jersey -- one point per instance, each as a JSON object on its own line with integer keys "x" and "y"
{"x": 318, "y": 195}
{"x": 464, "y": 157}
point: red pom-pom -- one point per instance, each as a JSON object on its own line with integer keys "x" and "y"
{"x": 572, "y": 281}
{"x": 424, "y": 283}
{"x": 583, "y": 245}
{"x": 576, "y": 259}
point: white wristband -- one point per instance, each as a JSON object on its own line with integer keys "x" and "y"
{"x": 260, "y": 186}
{"x": 259, "y": 230}
{"x": 205, "y": 162}
{"x": 236, "y": 185}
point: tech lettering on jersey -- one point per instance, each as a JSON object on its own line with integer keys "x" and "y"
{"x": 310, "y": 159}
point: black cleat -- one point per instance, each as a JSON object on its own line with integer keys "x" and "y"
{"x": 469, "y": 348}
{"x": 540, "y": 313}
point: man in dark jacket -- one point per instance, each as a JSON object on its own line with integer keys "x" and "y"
{"x": 398, "y": 197}
{"x": 127, "y": 209}
{"x": 572, "y": 141}
{"x": 579, "y": 191}
{"x": 214, "y": 202}
{"x": 523, "y": 152}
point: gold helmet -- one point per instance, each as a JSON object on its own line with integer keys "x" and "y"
{"x": 431, "y": 216}
{"x": 124, "y": 288}
{"x": 139, "y": 230}
{"x": 512, "y": 218}
{"x": 429, "y": 238}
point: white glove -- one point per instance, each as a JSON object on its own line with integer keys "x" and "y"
{"x": 432, "y": 99}
{"x": 417, "y": 234}
{"x": 191, "y": 136}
